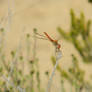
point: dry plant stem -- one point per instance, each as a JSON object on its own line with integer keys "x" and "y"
{"x": 35, "y": 44}
{"x": 9, "y": 28}
{"x": 13, "y": 13}
{"x": 13, "y": 63}
{"x": 2, "y": 47}
{"x": 9, "y": 16}
{"x": 15, "y": 59}
{"x": 28, "y": 59}
{"x": 52, "y": 75}
{"x": 11, "y": 84}
{"x": 31, "y": 5}
{"x": 34, "y": 58}
{"x": 37, "y": 65}
{"x": 10, "y": 13}
{"x": 28, "y": 48}
{"x": 16, "y": 55}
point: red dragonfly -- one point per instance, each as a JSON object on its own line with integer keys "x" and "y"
{"x": 55, "y": 42}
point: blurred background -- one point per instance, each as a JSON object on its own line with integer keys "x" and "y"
{"x": 28, "y": 62}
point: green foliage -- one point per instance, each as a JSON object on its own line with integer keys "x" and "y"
{"x": 14, "y": 79}
{"x": 90, "y": 1}
{"x": 18, "y": 79}
{"x": 75, "y": 75}
{"x": 79, "y": 35}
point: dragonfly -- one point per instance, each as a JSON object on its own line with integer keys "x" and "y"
{"x": 47, "y": 37}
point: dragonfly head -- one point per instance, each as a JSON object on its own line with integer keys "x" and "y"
{"x": 58, "y": 46}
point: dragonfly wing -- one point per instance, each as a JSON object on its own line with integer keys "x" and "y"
{"x": 39, "y": 37}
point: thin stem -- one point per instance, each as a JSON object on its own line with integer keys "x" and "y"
{"x": 13, "y": 13}
{"x": 2, "y": 49}
{"x": 12, "y": 84}
{"x": 53, "y": 72}
{"x": 9, "y": 16}
{"x": 34, "y": 48}
{"x": 15, "y": 58}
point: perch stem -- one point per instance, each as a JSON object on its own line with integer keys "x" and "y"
{"x": 52, "y": 75}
